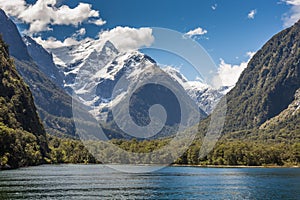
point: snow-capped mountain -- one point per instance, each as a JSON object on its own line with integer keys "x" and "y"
{"x": 88, "y": 58}
{"x": 203, "y": 94}
{"x": 96, "y": 89}
{"x": 103, "y": 79}
{"x": 93, "y": 68}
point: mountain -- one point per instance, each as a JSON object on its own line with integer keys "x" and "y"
{"x": 53, "y": 103}
{"x": 8, "y": 28}
{"x": 203, "y": 94}
{"x": 52, "y": 83}
{"x": 262, "y": 123}
{"x": 93, "y": 70}
{"x": 22, "y": 135}
{"x": 87, "y": 57}
{"x": 97, "y": 54}
{"x": 269, "y": 83}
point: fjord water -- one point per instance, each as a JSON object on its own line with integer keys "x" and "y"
{"x": 100, "y": 182}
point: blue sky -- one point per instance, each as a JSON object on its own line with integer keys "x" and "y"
{"x": 230, "y": 29}
{"x": 230, "y": 33}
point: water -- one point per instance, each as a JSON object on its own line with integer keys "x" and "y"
{"x": 100, "y": 182}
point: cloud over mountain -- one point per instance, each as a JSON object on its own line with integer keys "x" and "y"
{"x": 126, "y": 38}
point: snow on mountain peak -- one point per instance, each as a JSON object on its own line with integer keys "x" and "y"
{"x": 93, "y": 68}
{"x": 72, "y": 55}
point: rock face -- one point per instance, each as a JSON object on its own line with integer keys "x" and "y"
{"x": 288, "y": 118}
{"x": 12, "y": 37}
{"x": 44, "y": 61}
{"x": 204, "y": 95}
{"x": 268, "y": 85}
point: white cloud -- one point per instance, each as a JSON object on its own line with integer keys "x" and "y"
{"x": 98, "y": 22}
{"x": 125, "y": 38}
{"x": 44, "y": 13}
{"x": 195, "y": 32}
{"x": 252, "y": 14}
{"x": 229, "y": 74}
{"x": 52, "y": 43}
{"x": 79, "y": 33}
{"x": 294, "y": 14}
{"x": 214, "y": 7}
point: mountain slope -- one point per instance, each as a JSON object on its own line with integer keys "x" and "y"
{"x": 204, "y": 95}
{"x": 54, "y": 105}
{"x": 268, "y": 85}
{"x": 8, "y": 28}
{"x": 21, "y": 131}
{"x": 44, "y": 60}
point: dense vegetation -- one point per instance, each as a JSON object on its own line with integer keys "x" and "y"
{"x": 19, "y": 148}
{"x": 67, "y": 150}
{"x": 22, "y": 135}
{"x": 254, "y": 148}
{"x": 249, "y": 148}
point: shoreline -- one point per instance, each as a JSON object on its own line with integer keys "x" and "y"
{"x": 172, "y": 165}
{"x": 236, "y": 166}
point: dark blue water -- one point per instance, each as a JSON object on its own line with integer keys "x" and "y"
{"x": 100, "y": 182}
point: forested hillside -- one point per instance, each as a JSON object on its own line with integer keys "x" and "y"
{"x": 22, "y": 135}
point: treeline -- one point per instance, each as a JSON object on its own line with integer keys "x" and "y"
{"x": 235, "y": 152}
{"x": 20, "y": 148}
{"x": 245, "y": 153}
{"x": 228, "y": 151}
{"x": 250, "y": 148}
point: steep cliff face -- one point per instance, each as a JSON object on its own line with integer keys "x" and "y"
{"x": 269, "y": 83}
{"x": 21, "y": 130}
{"x": 288, "y": 119}
{"x": 44, "y": 61}
{"x": 16, "y": 45}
